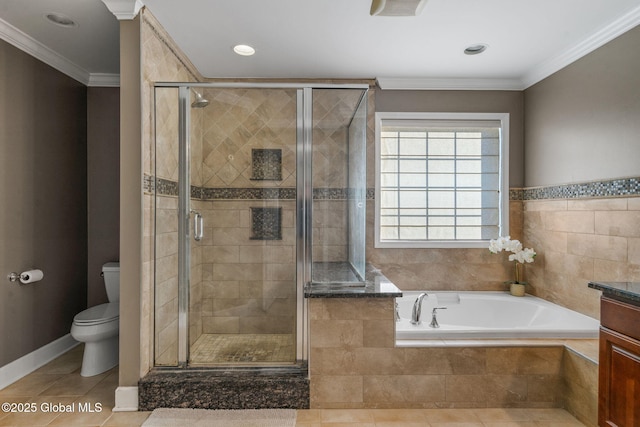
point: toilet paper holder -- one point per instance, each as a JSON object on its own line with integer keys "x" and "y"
{"x": 23, "y": 277}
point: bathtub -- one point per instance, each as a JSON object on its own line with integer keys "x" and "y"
{"x": 490, "y": 315}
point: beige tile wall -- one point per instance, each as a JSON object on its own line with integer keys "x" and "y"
{"x": 580, "y": 395}
{"x": 166, "y": 278}
{"x": 249, "y": 286}
{"x": 197, "y": 142}
{"x": 166, "y": 230}
{"x": 329, "y": 235}
{"x": 332, "y": 113}
{"x": 445, "y": 269}
{"x": 238, "y": 120}
{"x": 354, "y": 364}
{"x": 578, "y": 241}
{"x": 166, "y": 290}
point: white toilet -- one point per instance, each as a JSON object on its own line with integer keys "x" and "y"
{"x": 98, "y": 327}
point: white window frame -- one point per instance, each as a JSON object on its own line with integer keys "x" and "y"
{"x": 503, "y": 224}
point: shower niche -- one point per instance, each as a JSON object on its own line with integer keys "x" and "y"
{"x": 273, "y": 178}
{"x": 266, "y": 164}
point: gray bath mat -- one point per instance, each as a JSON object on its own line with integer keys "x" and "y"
{"x": 166, "y": 417}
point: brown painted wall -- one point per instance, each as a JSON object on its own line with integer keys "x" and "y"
{"x": 582, "y": 122}
{"x": 43, "y": 194}
{"x": 103, "y": 186}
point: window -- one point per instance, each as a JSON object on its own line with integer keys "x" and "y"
{"x": 441, "y": 179}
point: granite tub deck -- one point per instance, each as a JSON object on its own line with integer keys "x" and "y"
{"x": 208, "y": 389}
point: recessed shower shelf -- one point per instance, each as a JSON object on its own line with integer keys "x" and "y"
{"x": 266, "y": 224}
{"x": 266, "y": 164}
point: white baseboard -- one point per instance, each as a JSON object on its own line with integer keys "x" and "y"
{"x": 28, "y": 363}
{"x": 126, "y": 399}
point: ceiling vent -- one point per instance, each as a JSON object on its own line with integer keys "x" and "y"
{"x": 397, "y": 7}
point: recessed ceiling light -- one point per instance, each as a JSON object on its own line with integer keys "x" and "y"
{"x": 244, "y": 50}
{"x": 475, "y": 49}
{"x": 60, "y": 19}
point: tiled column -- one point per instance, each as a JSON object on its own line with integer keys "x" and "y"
{"x": 349, "y": 338}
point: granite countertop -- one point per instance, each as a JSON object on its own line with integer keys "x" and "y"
{"x": 629, "y": 291}
{"x": 376, "y": 285}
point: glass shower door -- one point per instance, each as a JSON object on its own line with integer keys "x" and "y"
{"x": 242, "y": 278}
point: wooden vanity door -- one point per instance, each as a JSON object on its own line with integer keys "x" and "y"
{"x": 619, "y": 380}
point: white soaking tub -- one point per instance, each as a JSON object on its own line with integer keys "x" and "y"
{"x": 490, "y": 315}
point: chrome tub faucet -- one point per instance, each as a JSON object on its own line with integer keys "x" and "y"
{"x": 417, "y": 309}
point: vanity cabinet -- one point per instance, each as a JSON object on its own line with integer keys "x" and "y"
{"x": 619, "y": 366}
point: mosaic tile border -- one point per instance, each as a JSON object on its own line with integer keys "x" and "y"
{"x": 269, "y": 193}
{"x": 167, "y": 187}
{"x": 624, "y": 187}
{"x": 148, "y": 184}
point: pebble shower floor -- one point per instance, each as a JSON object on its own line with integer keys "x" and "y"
{"x": 245, "y": 348}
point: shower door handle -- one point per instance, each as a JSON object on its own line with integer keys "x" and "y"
{"x": 198, "y": 225}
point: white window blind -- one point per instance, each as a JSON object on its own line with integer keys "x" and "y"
{"x": 439, "y": 180}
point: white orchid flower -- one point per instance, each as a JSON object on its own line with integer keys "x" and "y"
{"x": 518, "y": 254}
{"x": 527, "y": 255}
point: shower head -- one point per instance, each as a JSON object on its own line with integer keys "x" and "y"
{"x": 199, "y": 102}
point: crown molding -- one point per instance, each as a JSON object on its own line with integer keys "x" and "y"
{"x": 27, "y": 44}
{"x": 596, "y": 40}
{"x": 399, "y": 83}
{"x": 31, "y": 46}
{"x": 124, "y": 9}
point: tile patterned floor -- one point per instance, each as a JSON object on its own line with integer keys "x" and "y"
{"x": 245, "y": 348}
{"x": 59, "y": 383}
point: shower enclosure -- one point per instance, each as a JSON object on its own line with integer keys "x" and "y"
{"x": 260, "y": 191}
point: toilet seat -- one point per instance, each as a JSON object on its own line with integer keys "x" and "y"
{"x": 97, "y": 315}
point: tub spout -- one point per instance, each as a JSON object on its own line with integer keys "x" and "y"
{"x": 417, "y": 309}
{"x": 434, "y": 320}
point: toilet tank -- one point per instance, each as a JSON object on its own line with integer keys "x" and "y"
{"x": 111, "y": 275}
